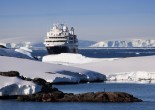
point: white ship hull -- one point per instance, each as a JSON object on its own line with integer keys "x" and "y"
{"x": 61, "y": 40}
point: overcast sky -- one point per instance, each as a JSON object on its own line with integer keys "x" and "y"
{"x": 92, "y": 19}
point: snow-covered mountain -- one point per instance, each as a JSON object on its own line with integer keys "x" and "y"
{"x": 32, "y": 45}
{"x": 24, "y": 44}
{"x": 85, "y": 44}
{"x": 125, "y": 43}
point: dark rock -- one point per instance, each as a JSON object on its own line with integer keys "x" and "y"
{"x": 21, "y": 77}
{"x": 2, "y": 46}
{"x": 6, "y": 97}
{"x": 50, "y": 72}
{"x": 100, "y": 97}
{"x": 24, "y": 98}
{"x": 25, "y": 78}
{"x": 47, "y": 98}
{"x": 10, "y": 74}
{"x": 58, "y": 96}
{"x": 28, "y": 79}
{"x": 37, "y": 97}
{"x": 42, "y": 97}
{"x": 46, "y": 87}
{"x": 87, "y": 97}
{"x": 116, "y": 97}
{"x": 68, "y": 97}
{"x": 39, "y": 81}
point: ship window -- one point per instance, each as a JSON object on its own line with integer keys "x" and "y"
{"x": 70, "y": 41}
{"x": 57, "y": 37}
{"x": 71, "y": 38}
{"x": 56, "y": 41}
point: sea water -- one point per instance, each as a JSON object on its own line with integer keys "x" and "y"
{"x": 144, "y": 91}
{"x": 106, "y": 52}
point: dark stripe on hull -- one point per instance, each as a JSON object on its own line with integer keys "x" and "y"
{"x": 57, "y": 49}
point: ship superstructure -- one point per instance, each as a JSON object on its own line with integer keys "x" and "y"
{"x": 60, "y": 39}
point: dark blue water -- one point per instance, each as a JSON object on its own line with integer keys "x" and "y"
{"x": 143, "y": 91}
{"x": 116, "y": 53}
{"x": 10, "y": 105}
{"x": 108, "y": 52}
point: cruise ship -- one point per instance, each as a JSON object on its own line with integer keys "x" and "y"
{"x": 61, "y": 39}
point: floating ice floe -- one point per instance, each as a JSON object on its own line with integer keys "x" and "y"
{"x": 71, "y": 58}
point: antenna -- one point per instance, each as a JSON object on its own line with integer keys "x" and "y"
{"x": 61, "y": 25}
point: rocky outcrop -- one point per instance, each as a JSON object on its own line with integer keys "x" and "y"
{"x": 2, "y": 46}
{"x": 10, "y": 74}
{"x": 50, "y": 94}
{"x": 58, "y": 96}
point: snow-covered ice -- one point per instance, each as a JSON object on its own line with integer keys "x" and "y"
{"x": 133, "y": 69}
{"x": 34, "y": 69}
{"x": 74, "y": 68}
{"x": 47, "y": 71}
{"x": 134, "y": 77}
{"x": 16, "y": 86}
{"x": 25, "y": 51}
{"x": 71, "y": 58}
{"x": 22, "y": 52}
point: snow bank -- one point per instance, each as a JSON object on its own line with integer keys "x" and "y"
{"x": 70, "y": 58}
{"x": 15, "y": 86}
{"x": 49, "y": 72}
{"x": 66, "y": 58}
{"x": 132, "y": 64}
{"x": 34, "y": 69}
{"x": 134, "y": 69}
